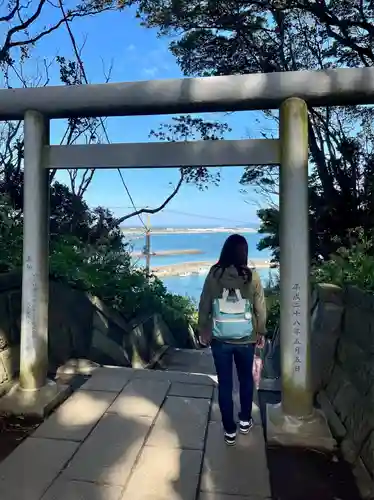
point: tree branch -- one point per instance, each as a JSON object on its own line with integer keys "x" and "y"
{"x": 151, "y": 211}
{"x": 11, "y": 14}
{"x": 20, "y": 27}
{"x": 23, "y": 26}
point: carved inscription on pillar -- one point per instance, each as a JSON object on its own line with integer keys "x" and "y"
{"x": 297, "y": 334}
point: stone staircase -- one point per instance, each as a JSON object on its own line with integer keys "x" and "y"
{"x": 129, "y": 434}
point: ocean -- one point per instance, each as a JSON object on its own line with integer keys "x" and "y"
{"x": 209, "y": 244}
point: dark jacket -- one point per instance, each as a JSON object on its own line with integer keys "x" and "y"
{"x": 213, "y": 288}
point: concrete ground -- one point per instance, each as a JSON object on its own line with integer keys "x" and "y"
{"x": 139, "y": 435}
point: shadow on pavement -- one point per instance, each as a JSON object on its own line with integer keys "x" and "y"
{"x": 121, "y": 446}
{"x": 297, "y": 473}
{"x": 143, "y": 438}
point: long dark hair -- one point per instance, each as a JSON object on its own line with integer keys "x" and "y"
{"x": 235, "y": 253}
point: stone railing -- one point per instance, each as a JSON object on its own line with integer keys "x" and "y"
{"x": 343, "y": 368}
{"x": 80, "y": 327}
{"x": 342, "y": 371}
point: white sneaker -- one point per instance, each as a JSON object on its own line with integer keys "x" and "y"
{"x": 245, "y": 427}
{"x": 230, "y": 439}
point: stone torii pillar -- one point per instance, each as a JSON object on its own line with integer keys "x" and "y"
{"x": 35, "y": 275}
{"x": 35, "y": 394}
{"x": 295, "y": 421}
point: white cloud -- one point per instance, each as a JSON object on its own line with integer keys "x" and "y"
{"x": 158, "y": 56}
{"x": 150, "y": 72}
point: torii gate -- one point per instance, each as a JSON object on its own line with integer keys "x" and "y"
{"x": 295, "y": 419}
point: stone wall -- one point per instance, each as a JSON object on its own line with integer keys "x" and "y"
{"x": 343, "y": 373}
{"x": 80, "y": 327}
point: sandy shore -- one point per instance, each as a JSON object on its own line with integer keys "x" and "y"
{"x": 199, "y": 267}
{"x": 165, "y": 253}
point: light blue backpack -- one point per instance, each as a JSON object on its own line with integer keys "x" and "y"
{"x": 232, "y": 316}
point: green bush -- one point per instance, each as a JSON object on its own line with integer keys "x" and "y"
{"x": 103, "y": 269}
{"x": 111, "y": 276}
{"x": 350, "y": 266}
{"x": 179, "y": 313}
{"x": 10, "y": 236}
{"x": 272, "y": 293}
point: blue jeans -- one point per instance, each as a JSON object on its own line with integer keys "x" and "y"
{"x": 224, "y": 354}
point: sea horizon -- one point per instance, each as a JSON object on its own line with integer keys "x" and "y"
{"x": 127, "y": 230}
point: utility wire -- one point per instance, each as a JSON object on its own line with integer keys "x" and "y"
{"x": 188, "y": 214}
{"x": 131, "y": 198}
{"x": 84, "y": 76}
{"x": 205, "y": 216}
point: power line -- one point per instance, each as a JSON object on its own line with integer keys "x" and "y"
{"x": 188, "y": 214}
{"x": 84, "y": 75}
{"x": 131, "y": 198}
{"x": 205, "y": 216}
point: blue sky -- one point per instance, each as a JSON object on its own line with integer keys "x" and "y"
{"x": 116, "y": 40}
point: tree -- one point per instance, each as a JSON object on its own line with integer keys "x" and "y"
{"x": 23, "y": 24}
{"x": 102, "y": 268}
{"x": 353, "y": 265}
{"x": 231, "y": 29}
{"x": 67, "y": 208}
{"x": 243, "y": 36}
{"x": 22, "y": 30}
{"x": 87, "y": 247}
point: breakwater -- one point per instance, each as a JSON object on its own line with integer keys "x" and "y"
{"x": 199, "y": 267}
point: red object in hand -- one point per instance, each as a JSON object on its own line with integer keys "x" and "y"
{"x": 260, "y": 341}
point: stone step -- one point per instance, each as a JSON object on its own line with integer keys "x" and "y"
{"x": 138, "y": 435}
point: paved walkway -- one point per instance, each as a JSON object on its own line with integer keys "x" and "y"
{"x": 138, "y": 435}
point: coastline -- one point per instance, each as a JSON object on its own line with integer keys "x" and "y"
{"x": 167, "y": 253}
{"x": 213, "y": 230}
{"x": 200, "y": 267}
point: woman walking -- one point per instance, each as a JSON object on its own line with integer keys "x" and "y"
{"x": 232, "y": 319}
